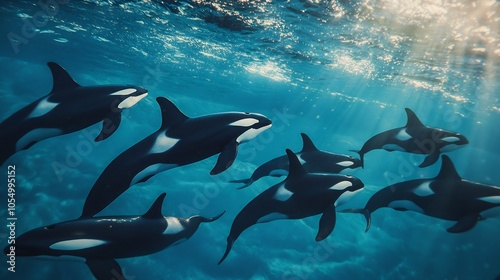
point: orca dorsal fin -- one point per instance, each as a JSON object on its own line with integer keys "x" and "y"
{"x": 296, "y": 169}
{"x": 61, "y": 78}
{"x": 170, "y": 114}
{"x": 448, "y": 169}
{"x": 308, "y": 145}
{"x": 154, "y": 211}
{"x": 413, "y": 120}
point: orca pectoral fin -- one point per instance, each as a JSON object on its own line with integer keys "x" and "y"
{"x": 464, "y": 224}
{"x": 226, "y": 158}
{"x": 109, "y": 125}
{"x": 214, "y": 218}
{"x": 430, "y": 159}
{"x": 105, "y": 269}
{"x": 326, "y": 223}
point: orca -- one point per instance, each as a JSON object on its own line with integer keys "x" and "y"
{"x": 99, "y": 241}
{"x": 415, "y": 138}
{"x": 447, "y": 197}
{"x": 313, "y": 160}
{"x": 179, "y": 141}
{"x": 69, "y": 107}
{"x": 300, "y": 195}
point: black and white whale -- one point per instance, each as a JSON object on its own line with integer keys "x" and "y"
{"x": 100, "y": 240}
{"x": 447, "y": 197}
{"x": 313, "y": 160}
{"x": 179, "y": 141}
{"x": 415, "y": 138}
{"x": 300, "y": 195}
{"x": 67, "y": 108}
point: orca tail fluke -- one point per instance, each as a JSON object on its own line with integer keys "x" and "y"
{"x": 366, "y": 213}
{"x": 96, "y": 202}
{"x": 230, "y": 242}
{"x": 246, "y": 182}
{"x": 89, "y": 211}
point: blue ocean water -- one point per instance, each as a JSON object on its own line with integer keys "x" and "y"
{"x": 340, "y": 71}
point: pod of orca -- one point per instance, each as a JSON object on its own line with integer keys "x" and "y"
{"x": 101, "y": 240}
{"x": 313, "y": 184}
{"x": 80, "y": 106}
{"x": 415, "y": 138}
{"x": 311, "y": 158}
{"x": 179, "y": 141}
